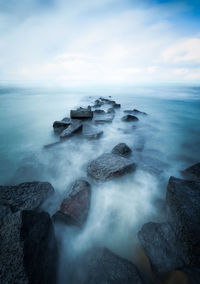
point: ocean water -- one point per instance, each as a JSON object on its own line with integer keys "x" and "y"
{"x": 169, "y": 135}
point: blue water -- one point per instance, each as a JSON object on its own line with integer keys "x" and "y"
{"x": 171, "y": 137}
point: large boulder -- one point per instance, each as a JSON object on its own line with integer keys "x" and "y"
{"x": 103, "y": 266}
{"x": 75, "y": 126}
{"x": 161, "y": 246}
{"x": 108, "y": 166}
{"x": 106, "y": 118}
{"x": 121, "y": 149}
{"x": 28, "y": 249}
{"x": 59, "y": 126}
{"x": 192, "y": 173}
{"x": 183, "y": 199}
{"x": 129, "y": 118}
{"x": 75, "y": 207}
{"x": 81, "y": 113}
{"x": 28, "y": 195}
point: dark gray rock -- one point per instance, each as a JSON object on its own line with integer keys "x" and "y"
{"x": 115, "y": 105}
{"x": 59, "y": 126}
{"x": 28, "y": 249}
{"x": 40, "y": 248}
{"x": 102, "y": 266}
{"x": 91, "y": 132}
{"x": 121, "y": 149}
{"x": 161, "y": 246}
{"x": 107, "y": 118}
{"x": 81, "y": 113}
{"x": 98, "y": 103}
{"x": 129, "y": 117}
{"x": 75, "y": 126}
{"x": 108, "y": 166}
{"x": 183, "y": 199}
{"x": 4, "y": 211}
{"x": 75, "y": 207}
{"x": 29, "y": 195}
{"x": 192, "y": 173}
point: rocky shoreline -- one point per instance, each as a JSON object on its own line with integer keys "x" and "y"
{"x": 28, "y": 245}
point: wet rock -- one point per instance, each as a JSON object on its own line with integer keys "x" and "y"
{"x": 74, "y": 127}
{"x": 98, "y": 103}
{"x": 91, "y": 132}
{"x": 183, "y": 199}
{"x": 29, "y": 195}
{"x": 192, "y": 173}
{"x": 4, "y": 211}
{"x": 40, "y": 248}
{"x": 58, "y": 124}
{"x": 115, "y": 105}
{"x": 75, "y": 207}
{"x": 129, "y": 117}
{"x": 28, "y": 249}
{"x": 161, "y": 246}
{"x": 103, "y": 266}
{"x": 121, "y": 149}
{"x": 99, "y": 111}
{"x": 81, "y": 113}
{"x": 108, "y": 166}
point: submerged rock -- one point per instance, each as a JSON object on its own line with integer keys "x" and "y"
{"x": 74, "y": 127}
{"x": 136, "y": 111}
{"x": 108, "y": 166}
{"x": 91, "y": 132}
{"x": 75, "y": 207}
{"x": 28, "y": 249}
{"x": 121, "y": 149}
{"x": 81, "y": 113}
{"x": 192, "y": 173}
{"x": 129, "y": 117}
{"x": 103, "y": 266}
{"x": 28, "y": 195}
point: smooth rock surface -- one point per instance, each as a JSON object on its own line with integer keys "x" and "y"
{"x": 81, "y": 114}
{"x": 108, "y": 166}
{"x": 121, "y": 149}
{"x": 28, "y": 195}
{"x": 75, "y": 127}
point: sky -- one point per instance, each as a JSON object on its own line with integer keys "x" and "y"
{"x": 100, "y": 41}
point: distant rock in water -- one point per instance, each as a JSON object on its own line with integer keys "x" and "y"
{"x": 129, "y": 117}
{"x": 28, "y": 195}
{"x": 99, "y": 111}
{"x": 103, "y": 266}
{"x": 192, "y": 172}
{"x": 74, "y": 127}
{"x": 28, "y": 249}
{"x": 108, "y": 166}
{"x": 75, "y": 207}
{"x": 111, "y": 110}
{"x": 81, "y": 113}
{"x": 136, "y": 111}
{"x": 121, "y": 149}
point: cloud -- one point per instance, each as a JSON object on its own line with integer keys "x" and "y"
{"x": 100, "y": 41}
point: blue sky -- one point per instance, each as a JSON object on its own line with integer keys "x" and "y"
{"x": 107, "y": 41}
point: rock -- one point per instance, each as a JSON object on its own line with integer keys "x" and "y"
{"x": 103, "y": 266}
{"x": 28, "y": 249}
{"x": 4, "y": 211}
{"x": 121, "y": 149}
{"x": 193, "y": 274}
{"x": 75, "y": 127}
{"x": 183, "y": 199}
{"x": 108, "y": 166}
{"x": 192, "y": 173}
{"x": 99, "y": 111}
{"x": 91, "y": 132}
{"x": 115, "y": 105}
{"x": 98, "y": 103}
{"x": 135, "y": 111}
{"x": 161, "y": 246}
{"x": 75, "y": 207}
{"x": 59, "y": 126}
{"x": 111, "y": 110}
{"x": 81, "y": 113}
{"x": 129, "y": 117}
{"x": 28, "y": 195}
